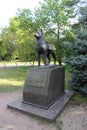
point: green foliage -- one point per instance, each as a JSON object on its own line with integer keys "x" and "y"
{"x": 18, "y": 39}
{"x": 22, "y": 25}
{"x": 1, "y": 41}
{"x": 7, "y": 44}
{"x": 79, "y": 60}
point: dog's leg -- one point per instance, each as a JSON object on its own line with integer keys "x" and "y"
{"x": 54, "y": 56}
{"x": 38, "y": 59}
{"x": 48, "y": 56}
{"x": 45, "y": 58}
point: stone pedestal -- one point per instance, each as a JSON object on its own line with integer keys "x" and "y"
{"x": 43, "y": 93}
{"x": 43, "y": 85}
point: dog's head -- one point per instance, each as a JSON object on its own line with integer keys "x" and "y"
{"x": 38, "y": 34}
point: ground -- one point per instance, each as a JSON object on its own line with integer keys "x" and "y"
{"x": 73, "y": 117}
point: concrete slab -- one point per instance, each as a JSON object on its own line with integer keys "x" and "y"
{"x": 49, "y": 114}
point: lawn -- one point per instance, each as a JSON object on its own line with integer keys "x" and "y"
{"x": 13, "y": 78}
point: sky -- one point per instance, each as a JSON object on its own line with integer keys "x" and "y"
{"x": 8, "y": 9}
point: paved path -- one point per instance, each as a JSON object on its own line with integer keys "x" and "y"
{"x": 4, "y": 65}
{"x": 73, "y": 117}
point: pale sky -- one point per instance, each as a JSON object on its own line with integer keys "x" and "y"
{"x": 8, "y": 8}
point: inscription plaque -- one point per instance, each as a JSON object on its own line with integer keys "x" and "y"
{"x": 37, "y": 78}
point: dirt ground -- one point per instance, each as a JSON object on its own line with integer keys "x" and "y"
{"x": 73, "y": 117}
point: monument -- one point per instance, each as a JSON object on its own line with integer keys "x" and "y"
{"x": 43, "y": 85}
{"x": 43, "y": 93}
{"x": 43, "y": 48}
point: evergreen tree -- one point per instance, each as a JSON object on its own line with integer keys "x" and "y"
{"x": 79, "y": 59}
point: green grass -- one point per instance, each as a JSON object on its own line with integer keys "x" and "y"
{"x": 78, "y": 99}
{"x": 12, "y": 78}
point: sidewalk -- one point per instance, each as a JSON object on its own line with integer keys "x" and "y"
{"x": 15, "y": 64}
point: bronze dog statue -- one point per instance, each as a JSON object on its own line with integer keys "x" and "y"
{"x": 43, "y": 48}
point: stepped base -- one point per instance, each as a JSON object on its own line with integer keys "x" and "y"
{"x": 49, "y": 114}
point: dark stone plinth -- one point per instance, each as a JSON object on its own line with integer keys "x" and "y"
{"x": 43, "y": 85}
{"x": 49, "y": 114}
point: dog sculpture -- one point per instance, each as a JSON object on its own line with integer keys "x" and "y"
{"x": 43, "y": 48}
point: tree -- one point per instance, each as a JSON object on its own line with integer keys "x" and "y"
{"x": 7, "y": 45}
{"x": 78, "y": 60}
{"x": 1, "y": 41}
{"x": 25, "y": 30}
{"x": 18, "y": 39}
{"x": 22, "y": 26}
